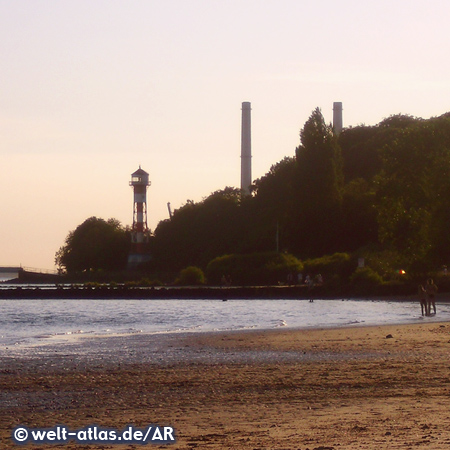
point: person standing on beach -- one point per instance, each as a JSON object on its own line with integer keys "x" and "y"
{"x": 431, "y": 290}
{"x": 310, "y": 284}
{"x": 423, "y": 300}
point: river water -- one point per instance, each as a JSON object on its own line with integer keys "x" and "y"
{"x": 28, "y": 323}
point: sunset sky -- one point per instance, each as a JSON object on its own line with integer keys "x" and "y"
{"x": 91, "y": 89}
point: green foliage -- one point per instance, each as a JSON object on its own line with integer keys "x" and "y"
{"x": 95, "y": 245}
{"x": 360, "y": 152}
{"x": 147, "y": 282}
{"x": 418, "y": 270}
{"x": 359, "y": 215}
{"x": 93, "y": 285}
{"x": 272, "y": 206}
{"x": 362, "y": 145}
{"x": 366, "y": 277}
{"x": 319, "y": 162}
{"x": 316, "y": 219}
{"x": 191, "y": 276}
{"x": 412, "y": 190}
{"x": 336, "y": 266}
{"x": 253, "y": 269}
{"x": 383, "y": 188}
{"x": 397, "y": 175}
{"x": 385, "y": 262}
{"x": 198, "y": 232}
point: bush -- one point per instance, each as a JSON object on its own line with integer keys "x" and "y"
{"x": 337, "y": 267}
{"x": 146, "y": 282}
{"x": 191, "y": 276}
{"x": 366, "y": 277}
{"x": 253, "y": 269}
{"x": 386, "y": 263}
{"x": 419, "y": 270}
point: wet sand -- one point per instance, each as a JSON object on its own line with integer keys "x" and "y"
{"x": 347, "y": 388}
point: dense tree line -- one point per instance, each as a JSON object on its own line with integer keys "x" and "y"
{"x": 372, "y": 190}
{"x": 95, "y": 245}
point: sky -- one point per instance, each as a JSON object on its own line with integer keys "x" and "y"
{"x": 91, "y": 89}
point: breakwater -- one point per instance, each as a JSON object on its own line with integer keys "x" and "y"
{"x": 172, "y": 292}
{"x": 124, "y": 291}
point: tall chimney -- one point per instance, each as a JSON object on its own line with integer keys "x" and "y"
{"x": 337, "y": 118}
{"x": 246, "y": 149}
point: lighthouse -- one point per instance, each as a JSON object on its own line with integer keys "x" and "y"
{"x": 139, "y": 233}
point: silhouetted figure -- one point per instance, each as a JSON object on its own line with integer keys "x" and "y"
{"x": 423, "y": 300}
{"x": 431, "y": 290}
{"x": 310, "y": 284}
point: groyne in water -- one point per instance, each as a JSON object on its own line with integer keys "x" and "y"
{"x": 194, "y": 292}
{"x": 172, "y": 292}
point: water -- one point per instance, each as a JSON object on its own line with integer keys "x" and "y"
{"x": 4, "y": 277}
{"x": 27, "y": 323}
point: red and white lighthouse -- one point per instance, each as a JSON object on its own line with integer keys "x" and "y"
{"x": 139, "y": 233}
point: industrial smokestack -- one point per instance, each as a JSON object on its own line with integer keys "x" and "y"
{"x": 246, "y": 149}
{"x": 337, "y": 118}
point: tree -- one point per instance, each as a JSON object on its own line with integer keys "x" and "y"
{"x": 198, "y": 232}
{"x": 96, "y": 244}
{"x": 268, "y": 268}
{"x": 360, "y": 226}
{"x": 412, "y": 191}
{"x": 393, "y": 198}
{"x": 317, "y": 223}
{"x": 272, "y": 207}
{"x": 361, "y": 146}
{"x": 360, "y": 152}
{"x": 191, "y": 276}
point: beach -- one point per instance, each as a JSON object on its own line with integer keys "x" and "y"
{"x": 373, "y": 387}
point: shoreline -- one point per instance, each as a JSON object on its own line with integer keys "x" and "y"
{"x": 264, "y": 346}
{"x": 240, "y": 346}
{"x": 348, "y": 387}
{"x": 297, "y": 292}
{"x": 221, "y": 347}
{"x": 88, "y": 340}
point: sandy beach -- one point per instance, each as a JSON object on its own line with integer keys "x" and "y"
{"x": 384, "y": 387}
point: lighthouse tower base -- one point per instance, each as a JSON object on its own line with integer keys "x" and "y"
{"x": 135, "y": 260}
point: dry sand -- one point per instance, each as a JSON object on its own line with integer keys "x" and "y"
{"x": 348, "y": 388}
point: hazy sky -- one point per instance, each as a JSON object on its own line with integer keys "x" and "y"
{"x": 90, "y": 89}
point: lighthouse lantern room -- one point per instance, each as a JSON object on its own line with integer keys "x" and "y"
{"x": 139, "y": 233}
